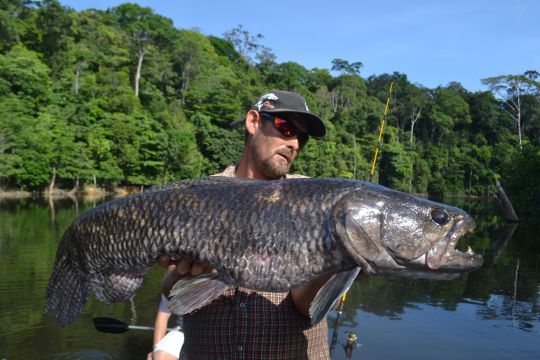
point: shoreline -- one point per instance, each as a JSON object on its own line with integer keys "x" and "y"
{"x": 88, "y": 192}
{"x": 15, "y": 194}
{"x": 91, "y": 192}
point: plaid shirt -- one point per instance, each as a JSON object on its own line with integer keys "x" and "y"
{"x": 245, "y": 324}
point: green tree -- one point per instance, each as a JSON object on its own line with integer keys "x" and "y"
{"x": 145, "y": 31}
{"x": 220, "y": 147}
{"x": 17, "y": 23}
{"x": 23, "y": 74}
{"x": 246, "y": 44}
{"x": 523, "y": 194}
{"x": 511, "y": 89}
{"x": 183, "y": 158}
{"x": 448, "y": 115}
{"x": 54, "y": 24}
{"x": 396, "y": 163}
{"x": 25, "y": 86}
{"x": 63, "y": 154}
{"x": 344, "y": 67}
{"x": 193, "y": 54}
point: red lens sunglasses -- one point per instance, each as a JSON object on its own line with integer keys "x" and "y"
{"x": 283, "y": 126}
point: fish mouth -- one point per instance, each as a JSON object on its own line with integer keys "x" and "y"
{"x": 444, "y": 255}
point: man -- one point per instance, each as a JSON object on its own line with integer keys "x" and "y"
{"x": 248, "y": 324}
{"x": 166, "y": 344}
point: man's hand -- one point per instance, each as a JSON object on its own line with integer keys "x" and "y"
{"x": 181, "y": 268}
{"x": 303, "y": 296}
{"x": 185, "y": 266}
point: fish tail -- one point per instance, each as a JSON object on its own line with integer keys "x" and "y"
{"x": 67, "y": 291}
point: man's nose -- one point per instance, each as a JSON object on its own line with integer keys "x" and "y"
{"x": 293, "y": 144}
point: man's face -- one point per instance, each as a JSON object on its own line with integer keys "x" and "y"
{"x": 272, "y": 151}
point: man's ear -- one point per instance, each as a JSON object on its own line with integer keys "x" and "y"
{"x": 253, "y": 121}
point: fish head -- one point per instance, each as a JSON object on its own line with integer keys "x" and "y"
{"x": 387, "y": 231}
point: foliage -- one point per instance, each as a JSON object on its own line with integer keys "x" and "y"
{"x": 121, "y": 97}
{"x": 526, "y": 165}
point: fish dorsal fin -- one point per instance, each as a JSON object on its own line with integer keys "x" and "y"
{"x": 191, "y": 293}
{"x": 330, "y": 292}
{"x": 210, "y": 180}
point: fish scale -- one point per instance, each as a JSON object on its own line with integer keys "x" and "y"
{"x": 263, "y": 235}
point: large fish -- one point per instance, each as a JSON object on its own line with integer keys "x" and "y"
{"x": 263, "y": 235}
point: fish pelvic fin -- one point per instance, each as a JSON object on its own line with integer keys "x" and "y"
{"x": 192, "y": 293}
{"x": 330, "y": 292}
{"x": 116, "y": 287}
{"x": 67, "y": 292}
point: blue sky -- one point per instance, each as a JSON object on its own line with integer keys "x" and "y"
{"x": 433, "y": 42}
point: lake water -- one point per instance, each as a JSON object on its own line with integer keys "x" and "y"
{"x": 492, "y": 313}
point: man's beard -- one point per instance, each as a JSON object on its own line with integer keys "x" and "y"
{"x": 272, "y": 167}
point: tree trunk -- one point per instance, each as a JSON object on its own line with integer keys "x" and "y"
{"x": 76, "y": 86}
{"x": 73, "y": 191}
{"x": 185, "y": 85}
{"x": 413, "y": 122}
{"x": 354, "y": 152}
{"x": 140, "y": 54}
{"x": 335, "y": 98}
{"x": 411, "y": 178}
{"x": 502, "y": 240}
{"x": 52, "y": 183}
{"x": 51, "y": 208}
{"x": 505, "y": 204}
{"x": 518, "y": 120}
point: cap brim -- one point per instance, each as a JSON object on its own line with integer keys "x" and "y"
{"x": 237, "y": 122}
{"x": 309, "y": 123}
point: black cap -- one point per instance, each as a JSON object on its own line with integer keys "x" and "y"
{"x": 293, "y": 107}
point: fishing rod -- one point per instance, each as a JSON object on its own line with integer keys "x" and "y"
{"x": 373, "y": 165}
{"x": 381, "y": 129}
{"x": 336, "y": 322}
{"x": 114, "y": 326}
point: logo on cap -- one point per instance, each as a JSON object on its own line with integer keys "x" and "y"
{"x": 265, "y": 101}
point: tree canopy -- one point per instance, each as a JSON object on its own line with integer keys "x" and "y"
{"x": 122, "y": 97}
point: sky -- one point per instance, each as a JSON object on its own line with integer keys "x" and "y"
{"x": 433, "y": 42}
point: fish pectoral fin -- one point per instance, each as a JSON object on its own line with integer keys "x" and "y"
{"x": 191, "y": 293}
{"x": 116, "y": 287}
{"x": 331, "y": 291}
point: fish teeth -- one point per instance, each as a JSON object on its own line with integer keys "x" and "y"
{"x": 469, "y": 250}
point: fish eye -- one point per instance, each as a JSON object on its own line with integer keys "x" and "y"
{"x": 440, "y": 216}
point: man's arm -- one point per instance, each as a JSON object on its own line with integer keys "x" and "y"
{"x": 302, "y": 297}
{"x": 160, "y": 326}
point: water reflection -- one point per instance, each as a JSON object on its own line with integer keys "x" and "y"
{"x": 351, "y": 343}
{"x": 520, "y": 315}
{"x": 492, "y": 313}
{"x": 473, "y": 313}
{"x": 89, "y": 354}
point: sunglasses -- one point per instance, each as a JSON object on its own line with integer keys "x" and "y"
{"x": 285, "y": 127}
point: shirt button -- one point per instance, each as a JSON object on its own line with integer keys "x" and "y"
{"x": 242, "y": 305}
{"x": 240, "y": 348}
